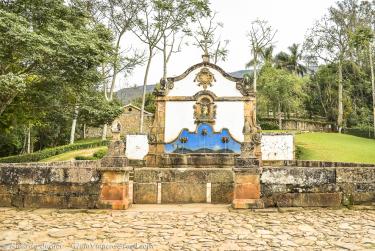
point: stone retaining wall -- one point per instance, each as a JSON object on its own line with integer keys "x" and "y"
{"x": 79, "y": 184}
{"x": 300, "y": 124}
{"x": 317, "y": 186}
{"x": 87, "y": 184}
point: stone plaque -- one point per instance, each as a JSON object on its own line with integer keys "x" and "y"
{"x": 136, "y": 146}
{"x": 277, "y": 147}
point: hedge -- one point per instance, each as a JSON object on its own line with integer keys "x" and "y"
{"x": 97, "y": 155}
{"x": 49, "y": 152}
{"x": 360, "y": 132}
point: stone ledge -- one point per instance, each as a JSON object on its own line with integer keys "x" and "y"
{"x": 192, "y": 175}
{"x": 247, "y": 204}
{"x": 304, "y": 200}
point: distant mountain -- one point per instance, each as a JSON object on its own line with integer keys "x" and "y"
{"x": 239, "y": 74}
{"x": 126, "y": 95}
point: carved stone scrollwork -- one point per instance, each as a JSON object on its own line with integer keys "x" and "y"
{"x": 256, "y": 138}
{"x": 205, "y": 78}
{"x": 245, "y": 86}
{"x": 248, "y": 147}
{"x": 165, "y": 86}
{"x": 205, "y": 110}
{"x": 152, "y": 139}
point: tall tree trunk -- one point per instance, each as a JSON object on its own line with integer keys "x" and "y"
{"x": 217, "y": 52}
{"x": 165, "y": 57}
{"x": 84, "y": 130}
{"x": 372, "y": 85}
{"x": 279, "y": 115}
{"x": 74, "y": 124}
{"x": 113, "y": 81}
{"x": 104, "y": 132}
{"x": 28, "y": 149}
{"x": 255, "y": 72}
{"x": 340, "y": 108}
{"x": 144, "y": 90}
{"x": 8, "y": 102}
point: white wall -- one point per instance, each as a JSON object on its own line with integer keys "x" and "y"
{"x": 230, "y": 115}
{"x": 277, "y": 147}
{"x": 180, "y": 115}
{"x": 136, "y": 146}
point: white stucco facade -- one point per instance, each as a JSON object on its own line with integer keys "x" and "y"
{"x": 180, "y": 114}
{"x": 222, "y": 87}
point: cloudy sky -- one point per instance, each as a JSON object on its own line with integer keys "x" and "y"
{"x": 291, "y": 19}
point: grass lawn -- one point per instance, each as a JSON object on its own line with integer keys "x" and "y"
{"x": 72, "y": 154}
{"x": 335, "y": 147}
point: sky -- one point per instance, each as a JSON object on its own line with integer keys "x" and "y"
{"x": 291, "y": 19}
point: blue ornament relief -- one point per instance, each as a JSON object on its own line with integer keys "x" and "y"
{"x": 204, "y": 140}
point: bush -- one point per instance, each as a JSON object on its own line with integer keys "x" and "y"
{"x": 266, "y": 125}
{"x": 97, "y": 155}
{"x": 85, "y": 158}
{"x": 100, "y": 154}
{"x": 360, "y": 132}
{"x": 46, "y": 153}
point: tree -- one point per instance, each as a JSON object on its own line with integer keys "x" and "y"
{"x": 280, "y": 90}
{"x": 205, "y": 38}
{"x": 120, "y": 16}
{"x": 362, "y": 39}
{"x": 291, "y": 61}
{"x": 184, "y": 13}
{"x": 156, "y": 19}
{"x": 328, "y": 40}
{"x": 261, "y": 35}
{"x": 49, "y": 55}
{"x": 265, "y": 57}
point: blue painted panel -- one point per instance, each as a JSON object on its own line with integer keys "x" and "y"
{"x": 204, "y": 140}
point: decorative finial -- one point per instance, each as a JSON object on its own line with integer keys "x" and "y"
{"x": 206, "y": 58}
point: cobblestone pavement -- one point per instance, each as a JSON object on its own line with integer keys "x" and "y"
{"x": 197, "y": 227}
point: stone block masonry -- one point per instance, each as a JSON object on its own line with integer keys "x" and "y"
{"x": 317, "y": 186}
{"x": 89, "y": 184}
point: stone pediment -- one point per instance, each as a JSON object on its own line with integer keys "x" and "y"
{"x": 206, "y": 75}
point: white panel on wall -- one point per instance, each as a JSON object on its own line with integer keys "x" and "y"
{"x": 277, "y": 147}
{"x": 222, "y": 86}
{"x": 230, "y": 115}
{"x": 136, "y": 146}
{"x": 178, "y": 115}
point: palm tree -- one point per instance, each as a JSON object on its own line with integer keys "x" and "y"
{"x": 291, "y": 61}
{"x": 266, "y": 56}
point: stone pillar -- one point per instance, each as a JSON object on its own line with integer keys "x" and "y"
{"x": 156, "y": 137}
{"x": 116, "y": 149}
{"x": 250, "y": 147}
{"x": 116, "y": 155}
{"x": 114, "y": 190}
{"x": 247, "y": 187}
{"x": 248, "y": 165}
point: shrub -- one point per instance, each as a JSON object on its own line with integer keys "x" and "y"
{"x": 85, "y": 158}
{"x": 46, "y": 153}
{"x": 364, "y": 132}
{"x": 266, "y": 125}
{"x": 100, "y": 154}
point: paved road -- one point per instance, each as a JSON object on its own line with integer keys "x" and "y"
{"x": 188, "y": 227}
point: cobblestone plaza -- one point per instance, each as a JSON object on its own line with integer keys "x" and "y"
{"x": 187, "y": 227}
